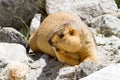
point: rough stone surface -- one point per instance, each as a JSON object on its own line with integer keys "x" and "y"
{"x": 108, "y": 49}
{"x": 15, "y": 71}
{"x": 10, "y": 35}
{"x": 108, "y": 73}
{"x": 67, "y": 73}
{"x": 86, "y": 68}
{"x": 78, "y": 71}
{"x": 12, "y": 52}
{"x": 107, "y": 35}
{"x": 87, "y": 9}
{"x": 44, "y": 68}
{"x": 12, "y": 10}
{"x": 35, "y": 23}
{"x": 107, "y": 25}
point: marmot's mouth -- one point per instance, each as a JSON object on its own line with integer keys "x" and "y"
{"x": 50, "y": 39}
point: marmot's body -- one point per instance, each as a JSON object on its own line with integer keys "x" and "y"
{"x": 64, "y": 36}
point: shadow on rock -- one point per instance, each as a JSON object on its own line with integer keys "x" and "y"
{"x": 51, "y": 69}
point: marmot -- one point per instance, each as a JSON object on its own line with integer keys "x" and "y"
{"x": 65, "y": 36}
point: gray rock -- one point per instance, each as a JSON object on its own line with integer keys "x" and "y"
{"x": 107, "y": 25}
{"x": 45, "y": 68}
{"x": 87, "y": 9}
{"x": 107, "y": 36}
{"x": 108, "y": 73}
{"x": 10, "y": 35}
{"x": 40, "y": 62}
{"x": 67, "y": 73}
{"x": 118, "y": 34}
{"x": 35, "y": 23}
{"x": 106, "y": 32}
{"x": 78, "y": 71}
{"x": 12, "y": 52}
{"x": 11, "y": 11}
{"x": 108, "y": 49}
{"x": 3, "y": 64}
{"x": 88, "y": 67}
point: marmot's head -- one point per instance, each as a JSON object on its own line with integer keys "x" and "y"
{"x": 66, "y": 39}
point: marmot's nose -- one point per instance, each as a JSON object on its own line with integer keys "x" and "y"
{"x": 50, "y": 42}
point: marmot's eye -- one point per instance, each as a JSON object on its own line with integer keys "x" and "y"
{"x": 57, "y": 49}
{"x": 61, "y": 35}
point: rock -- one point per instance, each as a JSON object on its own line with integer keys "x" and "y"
{"x": 86, "y": 68}
{"x": 86, "y": 9}
{"x": 3, "y": 64}
{"x": 15, "y": 71}
{"x": 107, "y": 25}
{"x": 108, "y": 73}
{"x": 79, "y": 71}
{"x": 107, "y": 35}
{"x": 67, "y": 73}
{"x": 108, "y": 49}
{"x": 44, "y": 68}
{"x": 41, "y": 62}
{"x": 35, "y": 23}
{"x": 13, "y": 57}
{"x": 12, "y": 52}
{"x": 10, "y": 35}
{"x": 118, "y": 34}
{"x": 12, "y": 12}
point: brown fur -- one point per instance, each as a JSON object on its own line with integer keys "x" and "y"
{"x": 64, "y": 36}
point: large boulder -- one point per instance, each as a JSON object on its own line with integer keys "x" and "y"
{"x": 86, "y": 9}
{"x": 14, "y": 12}
{"x": 10, "y": 35}
{"x": 12, "y": 52}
